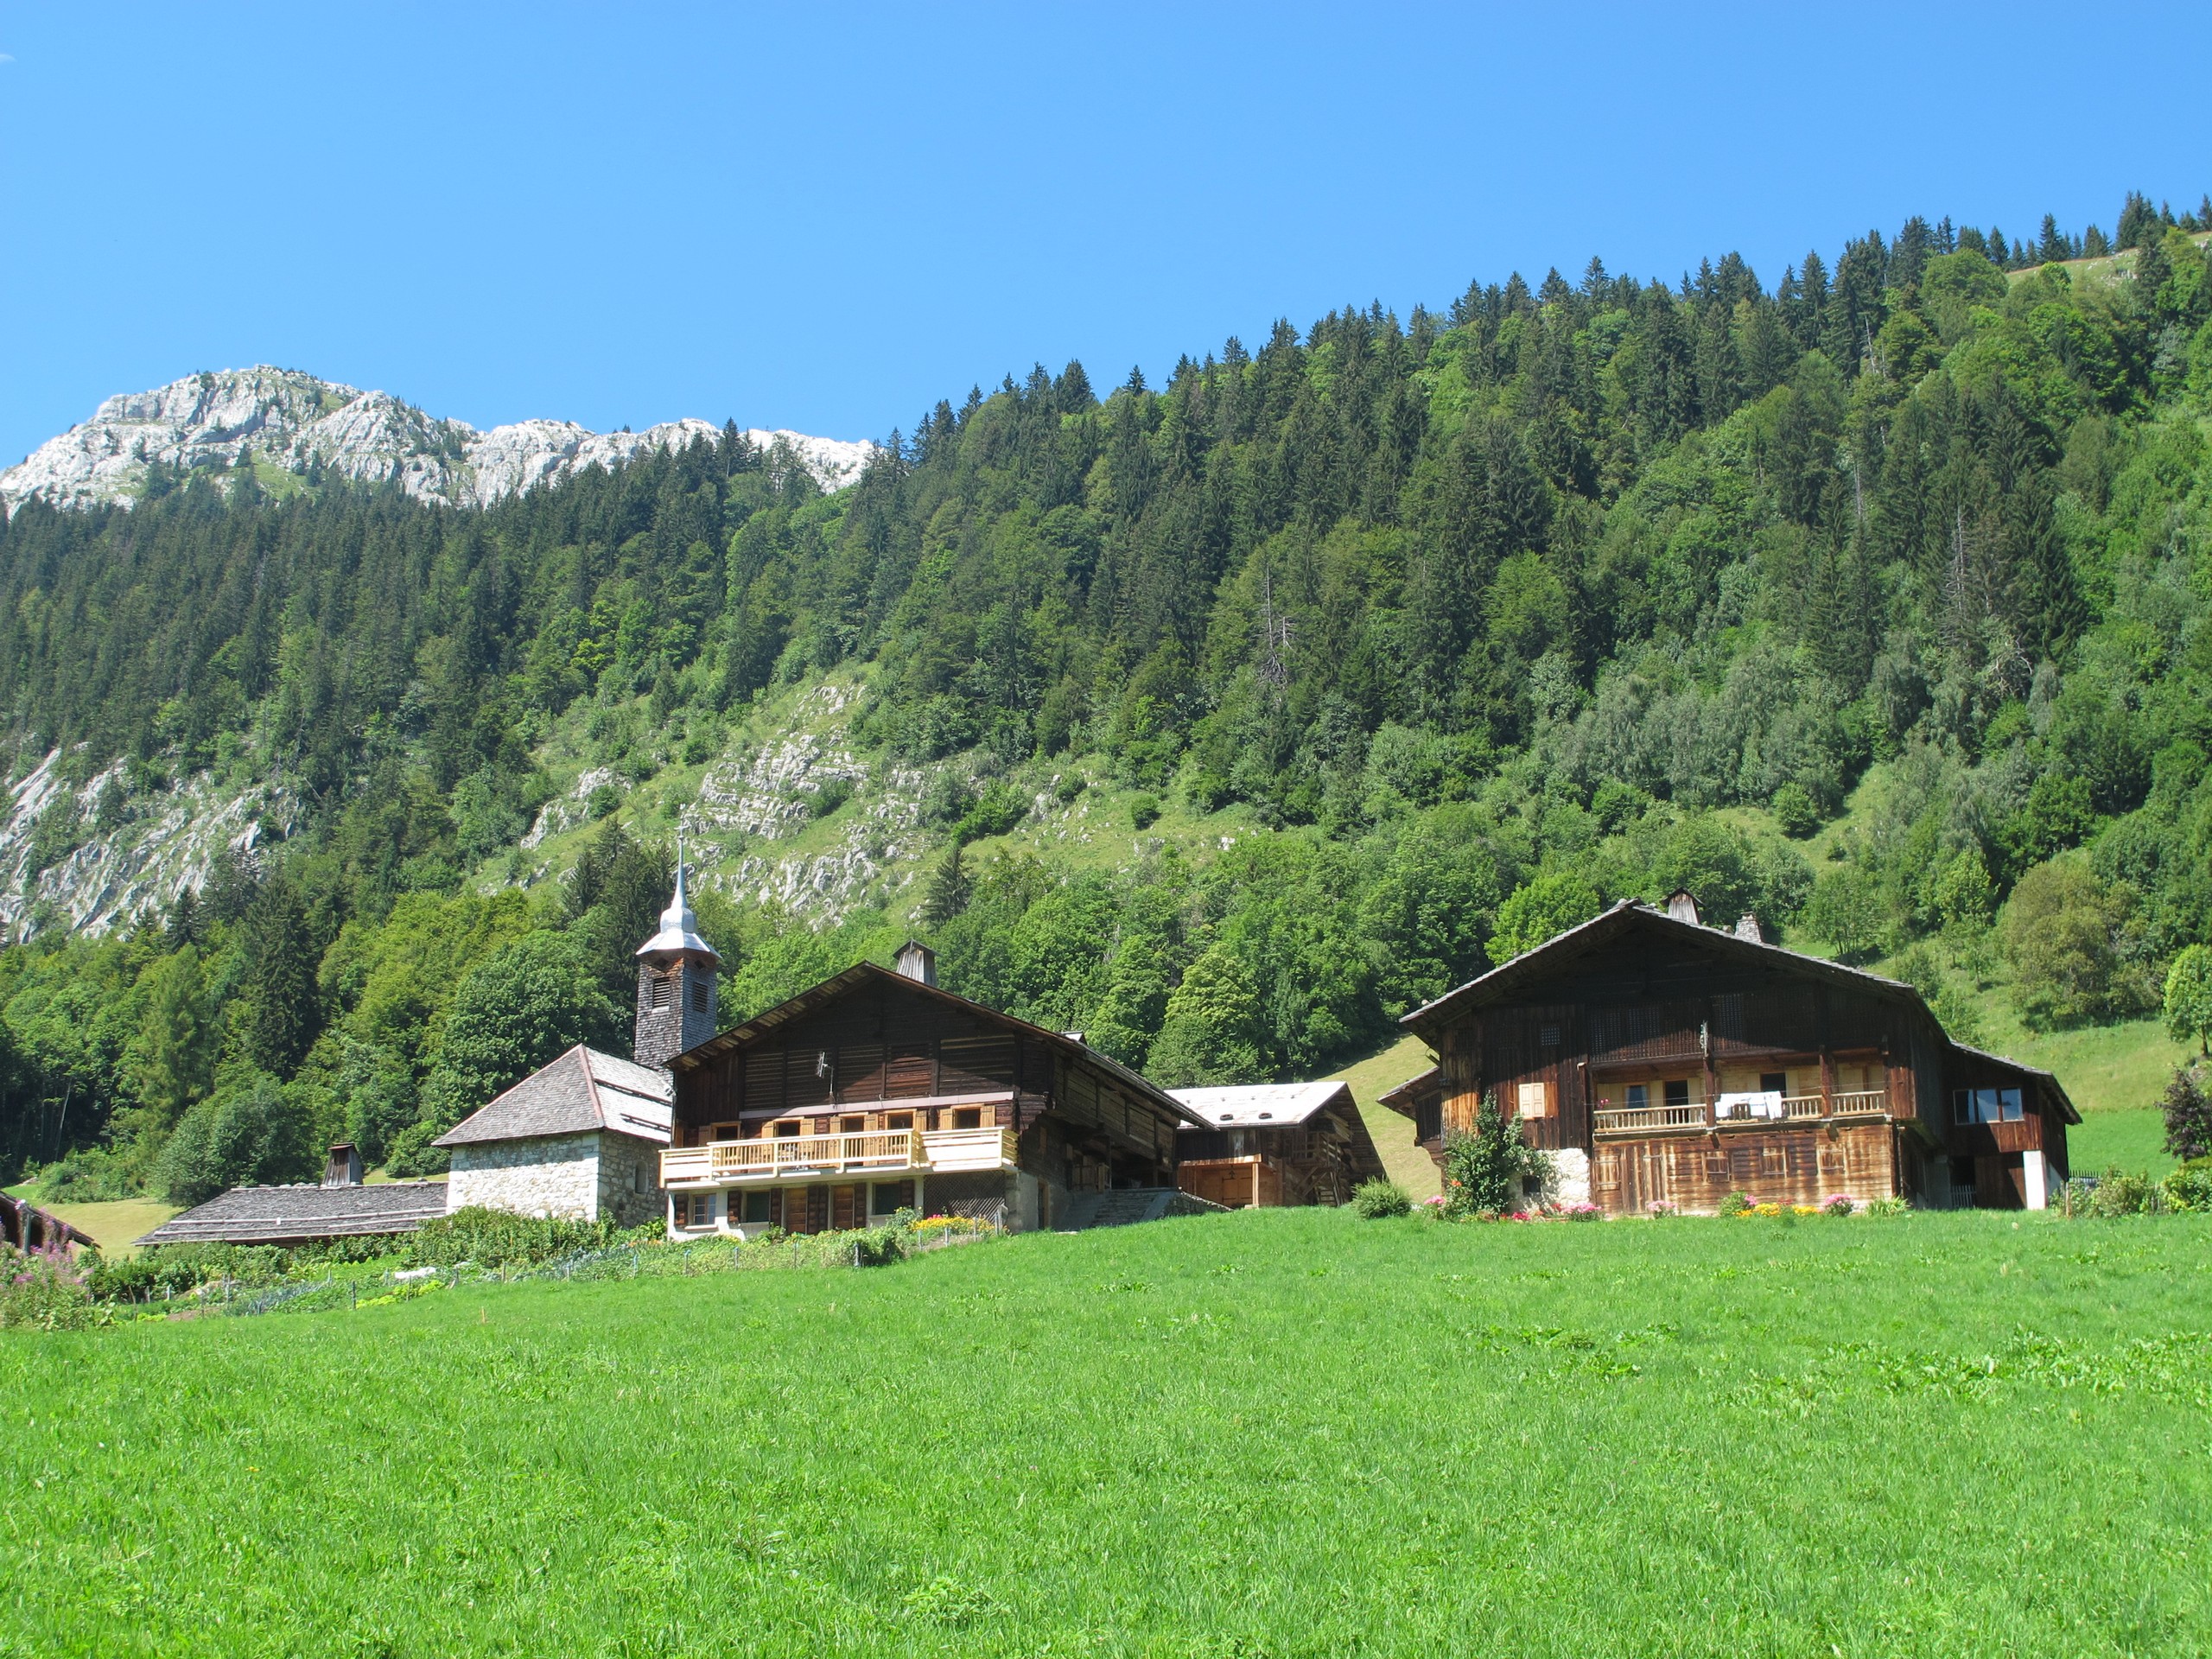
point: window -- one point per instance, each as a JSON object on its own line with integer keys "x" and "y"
{"x": 887, "y": 1197}
{"x": 696, "y": 1210}
{"x": 1987, "y": 1106}
{"x": 787, "y": 1127}
{"x": 1532, "y": 1100}
{"x": 1774, "y": 1083}
{"x": 1639, "y": 1097}
{"x": 1677, "y": 1092}
{"x": 700, "y": 992}
{"x": 641, "y": 1179}
{"x": 900, "y": 1121}
{"x": 851, "y": 1125}
{"x": 967, "y": 1117}
{"x": 1548, "y": 1036}
{"x": 756, "y": 1206}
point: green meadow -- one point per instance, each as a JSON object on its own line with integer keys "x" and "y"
{"x": 1279, "y": 1432}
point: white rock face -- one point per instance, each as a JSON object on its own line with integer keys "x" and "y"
{"x": 295, "y": 422}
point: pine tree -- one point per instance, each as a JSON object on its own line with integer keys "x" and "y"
{"x": 283, "y": 1011}
{"x": 949, "y": 891}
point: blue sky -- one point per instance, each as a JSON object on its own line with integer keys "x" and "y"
{"x": 826, "y": 217}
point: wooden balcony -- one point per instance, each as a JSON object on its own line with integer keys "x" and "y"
{"x": 794, "y": 1158}
{"x": 1698, "y": 1114}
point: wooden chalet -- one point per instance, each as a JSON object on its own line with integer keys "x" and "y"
{"x": 25, "y": 1227}
{"x": 876, "y": 1091}
{"x": 1662, "y": 1062}
{"x": 1274, "y": 1143}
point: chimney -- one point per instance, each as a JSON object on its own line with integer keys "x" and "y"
{"x": 344, "y": 1168}
{"x": 918, "y": 961}
{"x": 1747, "y": 927}
{"x": 1682, "y": 906}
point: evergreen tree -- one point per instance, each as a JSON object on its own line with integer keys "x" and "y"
{"x": 282, "y": 1013}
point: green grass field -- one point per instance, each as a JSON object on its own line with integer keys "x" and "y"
{"x": 1272, "y": 1432}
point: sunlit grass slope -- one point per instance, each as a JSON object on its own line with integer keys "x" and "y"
{"x": 1286, "y": 1433}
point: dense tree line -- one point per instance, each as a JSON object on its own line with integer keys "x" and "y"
{"x": 1489, "y": 613}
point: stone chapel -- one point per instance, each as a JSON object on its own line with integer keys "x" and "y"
{"x": 581, "y": 1137}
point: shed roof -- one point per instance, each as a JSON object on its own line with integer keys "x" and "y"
{"x": 290, "y": 1215}
{"x": 1403, "y": 1098}
{"x": 1248, "y": 1105}
{"x": 582, "y": 1091}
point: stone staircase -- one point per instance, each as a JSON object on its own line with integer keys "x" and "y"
{"x": 1125, "y": 1205}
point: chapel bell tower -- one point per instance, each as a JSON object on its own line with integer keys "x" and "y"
{"x": 675, "y": 984}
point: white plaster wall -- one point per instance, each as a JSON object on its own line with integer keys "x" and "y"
{"x": 554, "y": 1175}
{"x": 2038, "y": 1179}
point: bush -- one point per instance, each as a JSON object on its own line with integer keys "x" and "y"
{"x": 496, "y": 1238}
{"x": 2187, "y": 1110}
{"x": 1483, "y": 1171}
{"x": 42, "y": 1292}
{"x": 255, "y": 1133}
{"x": 412, "y": 1156}
{"x": 2189, "y": 1189}
{"x": 2118, "y": 1194}
{"x": 1838, "y": 1205}
{"x": 1144, "y": 812}
{"x": 1735, "y": 1204}
{"x": 1378, "y": 1200}
{"x": 1795, "y": 810}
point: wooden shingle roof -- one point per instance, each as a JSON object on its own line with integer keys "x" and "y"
{"x": 294, "y": 1214}
{"x": 582, "y": 1091}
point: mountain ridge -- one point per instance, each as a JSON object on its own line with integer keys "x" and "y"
{"x": 304, "y": 424}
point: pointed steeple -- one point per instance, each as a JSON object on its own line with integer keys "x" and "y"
{"x": 675, "y": 982}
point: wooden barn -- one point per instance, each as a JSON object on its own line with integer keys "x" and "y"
{"x": 877, "y": 1091}
{"x": 1662, "y": 1062}
{"x": 1274, "y": 1143}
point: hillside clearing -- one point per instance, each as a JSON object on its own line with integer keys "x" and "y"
{"x": 1279, "y": 1431}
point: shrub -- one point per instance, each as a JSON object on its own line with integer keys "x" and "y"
{"x": 495, "y": 1238}
{"x": 1378, "y": 1199}
{"x": 1585, "y": 1212}
{"x": 1735, "y": 1204}
{"x": 1795, "y": 810}
{"x": 42, "y": 1292}
{"x": 413, "y": 1156}
{"x": 1144, "y": 812}
{"x": 2188, "y": 1111}
{"x": 2189, "y": 1188}
{"x": 258, "y": 1132}
{"x": 1483, "y": 1171}
{"x": 1890, "y": 1206}
{"x": 2119, "y": 1194}
{"x": 1838, "y": 1205}
{"x": 1662, "y": 1209}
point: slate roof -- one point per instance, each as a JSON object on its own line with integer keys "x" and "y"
{"x": 1249, "y": 1105}
{"x": 291, "y": 1214}
{"x": 582, "y": 1091}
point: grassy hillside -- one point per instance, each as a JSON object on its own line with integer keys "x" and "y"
{"x": 1280, "y": 1432}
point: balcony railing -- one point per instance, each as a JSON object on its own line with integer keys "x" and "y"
{"x": 1856, "y": 1103}
{"x": 875, "y": 1152}
{"x": 1691, "y": 1117}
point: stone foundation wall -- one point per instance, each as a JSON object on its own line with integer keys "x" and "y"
{"x": 629, "y": 1180}
{"x": 558, "y": 1175}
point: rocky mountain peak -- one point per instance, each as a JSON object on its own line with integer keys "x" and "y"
{"x": 297, "y": 422}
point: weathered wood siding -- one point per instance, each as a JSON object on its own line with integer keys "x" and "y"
{"x": 1795, "y": 1165}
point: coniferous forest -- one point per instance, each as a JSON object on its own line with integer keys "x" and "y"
{"x": 1871, "y": 599}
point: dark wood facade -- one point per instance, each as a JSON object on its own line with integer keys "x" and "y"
{"x": 1275, "y": 1144}
{"x": 1666, "y": 1063}
{"x": 872, "y": 1052}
